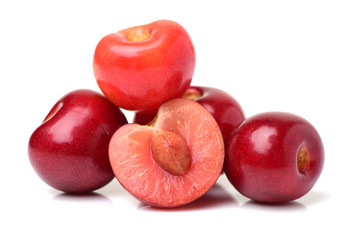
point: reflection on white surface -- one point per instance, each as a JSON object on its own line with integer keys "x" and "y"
{"x": 221, "y": 196}
{"x": 314, "y": 197}
{"x": 93, "y": 198}
{"x": 216, "y": 197}
{"x": 287, "y": 206}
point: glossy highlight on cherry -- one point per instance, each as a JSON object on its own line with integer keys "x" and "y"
{"x": 183, "y": 136}
{"x": 69, "y": 150}
{"x": 141, "y": 67}
{"x": 274, "y": 157}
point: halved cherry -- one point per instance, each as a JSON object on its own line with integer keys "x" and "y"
{"x": 173, "y": 161}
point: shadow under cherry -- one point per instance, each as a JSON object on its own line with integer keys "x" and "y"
{"x": 216, "y": 197}
{"x": 277, "y": 207}
{"x": 82, "y": 198}
{"x": 301, "y": 204}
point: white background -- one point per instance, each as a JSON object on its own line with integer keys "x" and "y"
{"x": 294, "y": 56}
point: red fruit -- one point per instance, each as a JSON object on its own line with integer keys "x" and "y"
{"x": 69, "y": 150}
{"x": 173, "y": 161}
{"x": 274, "y": 157}
{"x": 141, "y": 67}
{"x": 222, "y": 106}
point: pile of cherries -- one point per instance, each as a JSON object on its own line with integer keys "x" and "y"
{"x": 182, "y": 137}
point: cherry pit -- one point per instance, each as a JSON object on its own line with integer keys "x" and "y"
{"x": 182, "y": 137}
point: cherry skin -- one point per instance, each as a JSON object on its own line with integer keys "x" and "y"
{"x": 223, "y": 107}
{"x": 69, "y": 150}
{"x": 274, "y": 157}
{"x": 141, "y": 67}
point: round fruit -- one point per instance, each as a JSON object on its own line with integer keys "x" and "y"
{"x": 274, "y": 157}
{"x": 173, "y": 161}
{"x": 69, "y": 150}
{"x": 141, "y": 67}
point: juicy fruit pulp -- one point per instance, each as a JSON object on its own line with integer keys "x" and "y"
{"x": 222, "y": 106}
{"x": 152, "y": 162}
